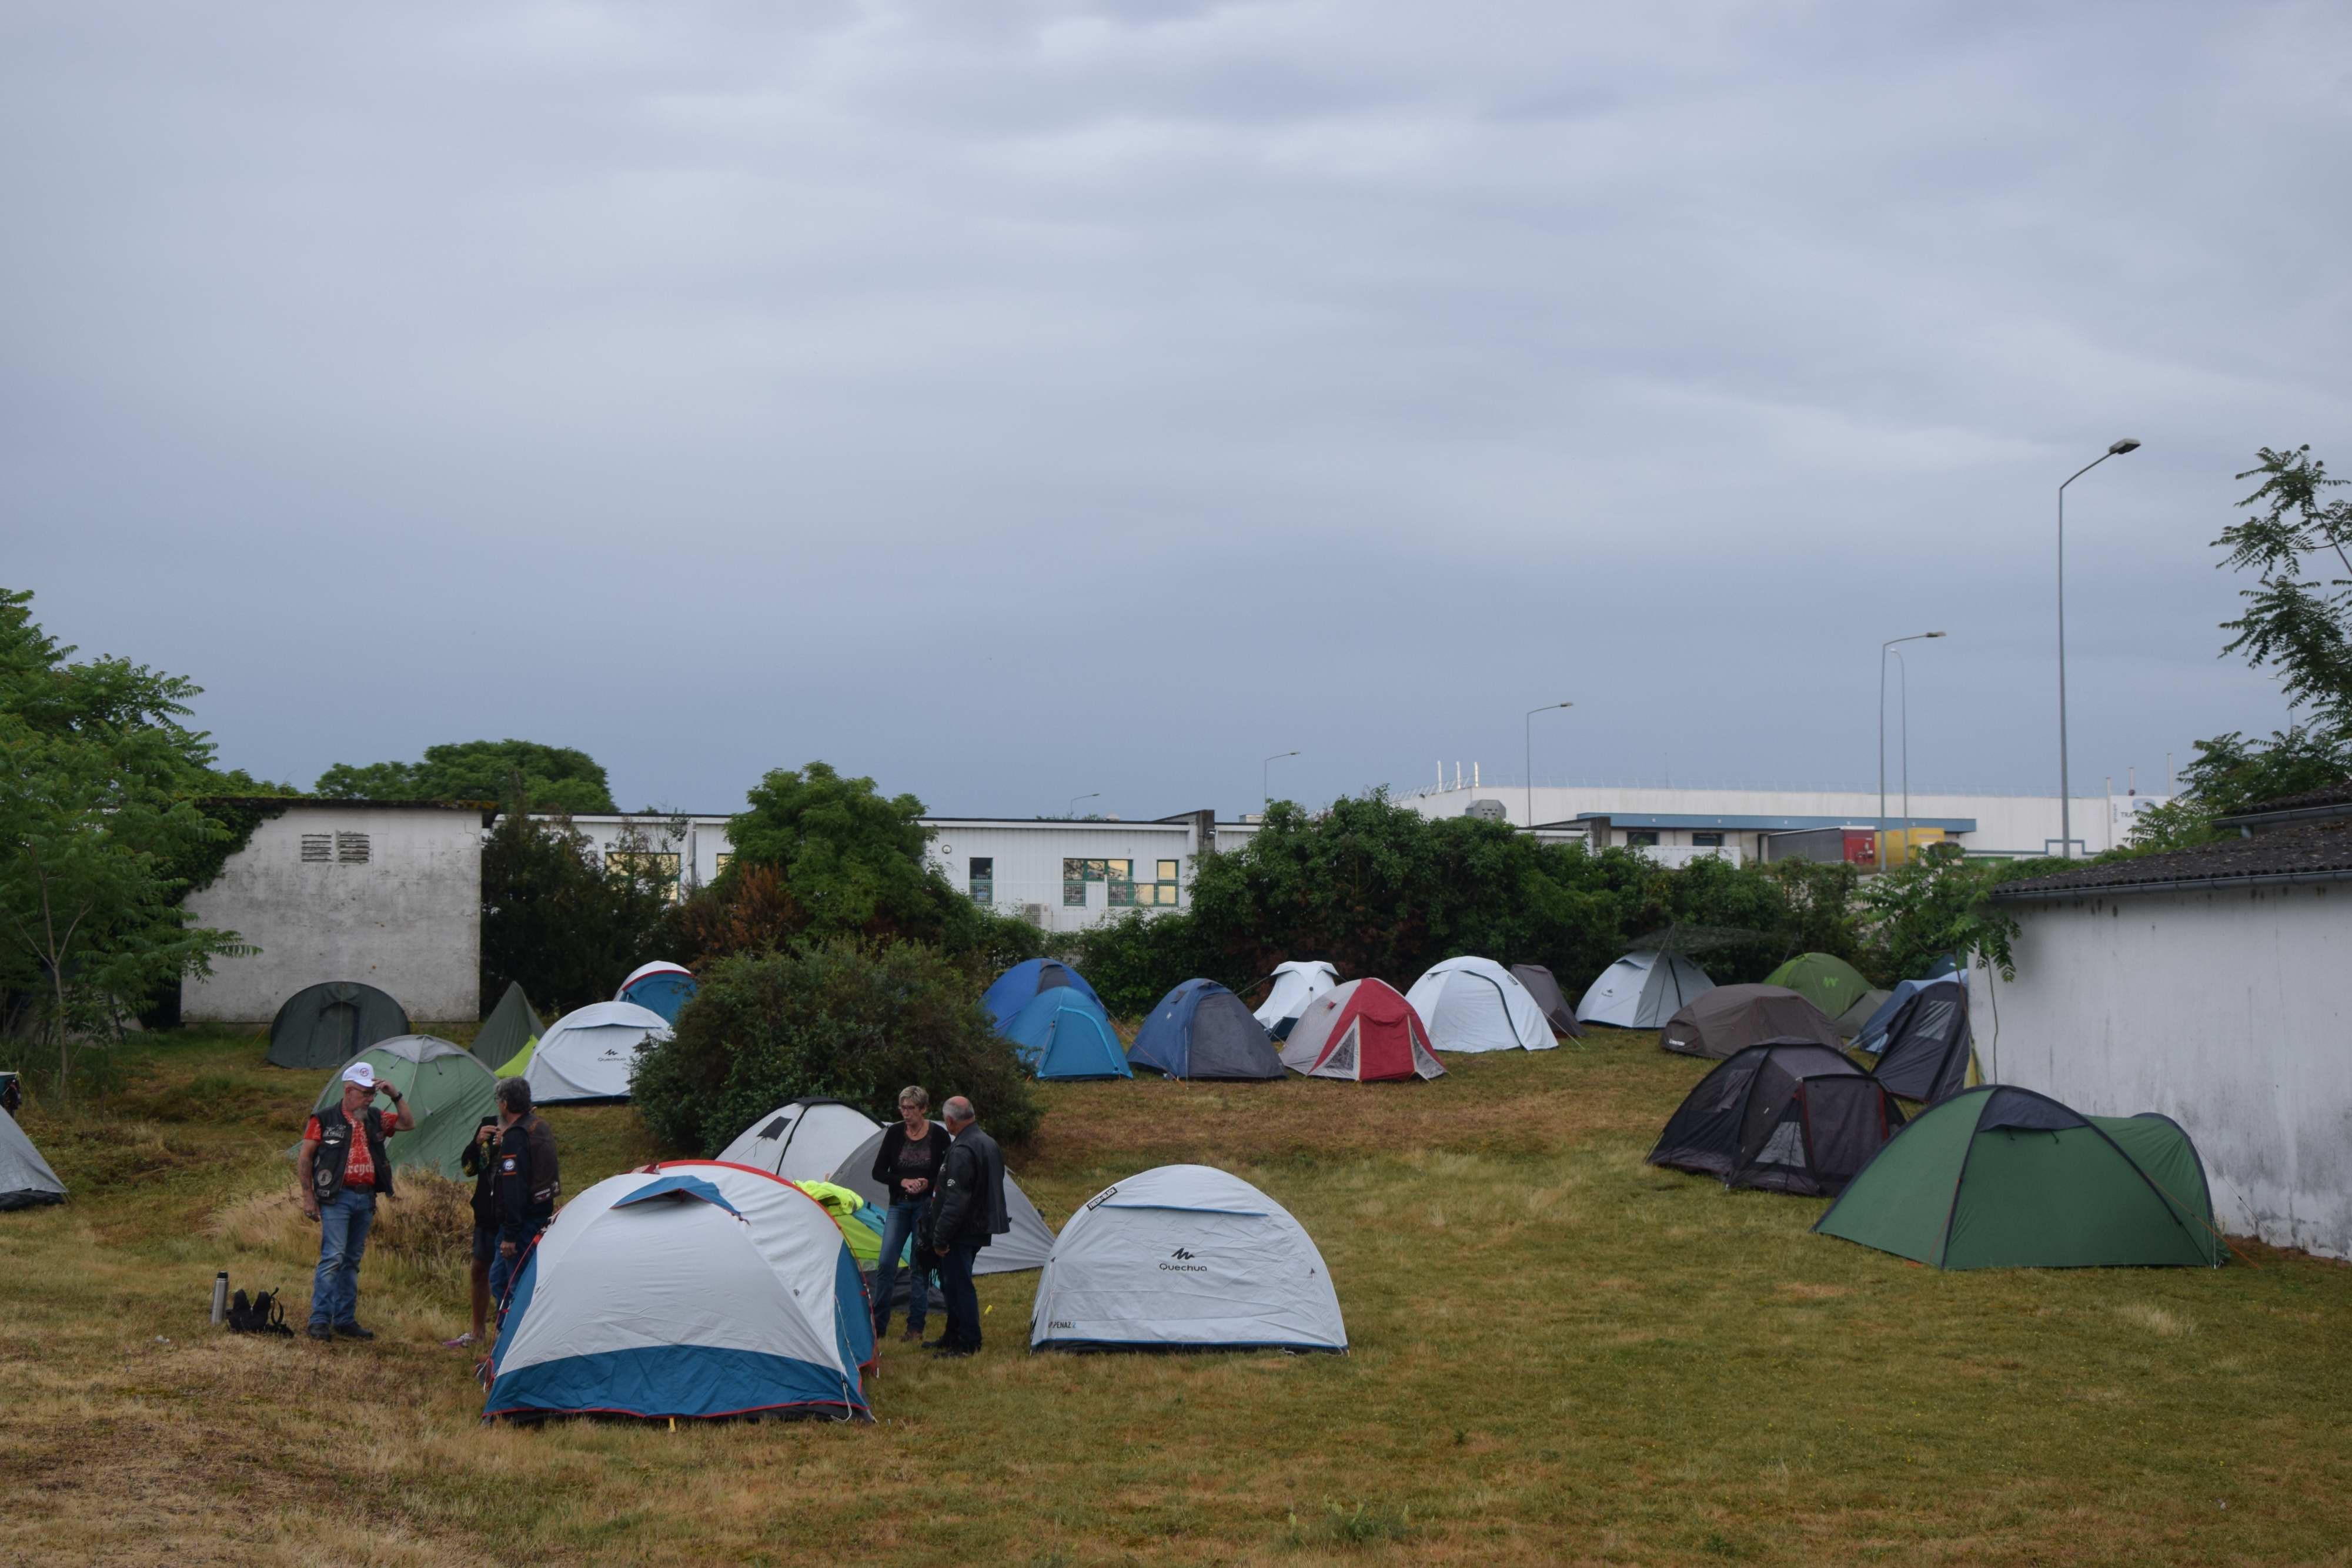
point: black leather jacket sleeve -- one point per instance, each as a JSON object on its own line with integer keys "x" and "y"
{"x": 958, "y": 1178}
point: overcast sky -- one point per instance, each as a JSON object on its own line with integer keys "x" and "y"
{"x": 1014, "y": 400}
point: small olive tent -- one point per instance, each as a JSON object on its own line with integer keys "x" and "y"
{"x": 1830, "y": 984}
{"x": 2001, "y": 1177}
{"x": 1544, "y": 986}
{"x": 1730, "y": 1018}
{"x": 448, "y": 1090}
{"x": 512, "y": 1028}
{"x": 328, "y": 1024}
{"x": 1786, "y": 1116}
{"x": 26, "y": 1179}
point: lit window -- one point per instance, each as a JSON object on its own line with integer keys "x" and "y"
{"x": 655, "y": 869}
{"x": 1168, "y": 871}
{"x": 1119, "y": 874}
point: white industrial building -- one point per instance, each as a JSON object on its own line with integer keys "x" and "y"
{"x": 388, "y": 892}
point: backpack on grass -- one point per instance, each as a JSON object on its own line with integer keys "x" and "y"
{"x": 262, "y": 1314}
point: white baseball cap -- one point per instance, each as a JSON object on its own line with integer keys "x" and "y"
{"x": 361, "y": 1074}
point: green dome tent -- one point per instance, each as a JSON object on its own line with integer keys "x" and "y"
{"x": 1832, "y": 984}
{"x": 447, "y": 1089}
{"x": 327, "y": 1024}
{"x": 1998, "y": 1177}
{"x": 512, "y": 1028}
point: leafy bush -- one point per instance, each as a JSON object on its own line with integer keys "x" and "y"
{"x": 566, "y": 924}
{"x": 850, "y": 1021}
{"x": 552, "y": 778}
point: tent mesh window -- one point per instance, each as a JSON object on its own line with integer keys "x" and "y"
{"x": 1846, "y": 1121}
{"x": 1424, "y": 1063}
{"x": 1343, "y": 1059}
{"x": 1785, "y": 1147}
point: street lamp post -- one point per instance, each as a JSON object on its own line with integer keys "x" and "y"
{"x": 2066, "y": 786}
{"x": 1531, "y": 736}
{"x": 1266, "y": 777}
{"x": 1075, "y": 799}
{"x": 1883, "y": 647}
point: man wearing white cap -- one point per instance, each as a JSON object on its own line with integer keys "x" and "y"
{"x": 340, "y": 1168}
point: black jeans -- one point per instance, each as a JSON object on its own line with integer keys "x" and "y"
{"x": 964, "y": 1301}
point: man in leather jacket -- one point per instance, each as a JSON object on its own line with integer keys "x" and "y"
{"x": 968, "y": 1215}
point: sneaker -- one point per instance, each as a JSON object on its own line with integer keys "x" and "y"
{"x": 460, "y": 1342}
{"x": 319, "y": 1331}
{"x": 352, "y": 1330}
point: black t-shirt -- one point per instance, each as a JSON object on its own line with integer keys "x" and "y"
{"x": 905, "y": 1158}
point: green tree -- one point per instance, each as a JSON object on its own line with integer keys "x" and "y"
{"x": 98, "y": 818}
{"x": 852, "y": 858}
{"x": 554, "y": 777}
{"x": 564, "y": 922}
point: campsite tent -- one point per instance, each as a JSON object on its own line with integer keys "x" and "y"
{"x": 1544, "y": 986}
{"x": 1786, "y": 1115}
{"x": 588, "y": 1055}
{"x": 1999, "y": 1178}
{"x": 328, "y": 1024}
{"x": 687, "y": 1289}
{"x": 1363, "y": 1030}
{"x": 1190, "y": 1258}
{"x": 860, "y": 1222}
{"x": 1294, "y": 985}
{"x": 1201, "y": 1029}
{"x": 659, "y": 986}
{"x": 445, "y": 1088}
{"x": 1064, "y": 1033}
{"x": 1023, "y": 1246}
{"x": 512, "y": 1028}
{"x": 805, "y": 1140}
{"x": 1830, "y": 983}
{"x": 1730, "y": 1019}
{"x": 1641, "y": 990}
{"x": 1475, "y": 1004}
{"x": 1872, "y": 1036}
{"x": 26, "y": 1179}
{"x": 1018, "y": 985}
{"x": 1924, "y": 1054}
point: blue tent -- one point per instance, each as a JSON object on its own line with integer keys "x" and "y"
{"x": 1018, "y": 985}
{"x": 1873, "y": 1037}
{"x": 1201, "y": 1029}
{"x": 1064, "y": 1033}
{"x": 664, "y": 989}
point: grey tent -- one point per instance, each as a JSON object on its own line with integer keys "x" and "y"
{"x": 1730, "y": 1018}
{"x": 326, "y": 1025}
{"x": 1785, "y": 1116}
{"x": 1641, "y": 990}
{"x": 1201, "y": 1029}
{"x": 513, "y": 1025}
{"x": 1926, "y": 1053}
{"x": 1025, "y": 1246}
{"x": 26, "y": 1179}
{"x": 1545, "y": 991}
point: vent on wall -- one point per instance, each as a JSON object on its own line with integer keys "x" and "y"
{"x": 351, "y": 849}
{"x": 317, "y": 846}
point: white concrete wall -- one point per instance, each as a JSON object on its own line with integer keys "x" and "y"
{"x": 1029, "y": 857}
{"x": 2227, "y": 1010}
{"x": 408, "y": 920}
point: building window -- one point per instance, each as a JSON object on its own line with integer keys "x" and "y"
{"x": 655, "y": 868}
{"x": 317, "y": 846}
{"x": 983, "y": 878}
{"x": 1707, "y": 840}
{"x": 1646, "y": 839}
{"x": 1119, "y": 874}
{"x": 718, "y": 865}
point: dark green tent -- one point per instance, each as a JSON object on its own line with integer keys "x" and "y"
{"x": 511, "y": 1026}
{"x": 1996, "y": 1177}
{"x": 326, "y": 1025}
{"x": 1827, "y": 982}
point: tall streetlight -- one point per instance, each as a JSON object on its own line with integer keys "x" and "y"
{"x": 1883, "y": 647}
{"x": 2066, "y": 786}
{"x": 1075, "y": 799}
{"x": 1530, "y": 727}
{"x": 1266, "y": 777}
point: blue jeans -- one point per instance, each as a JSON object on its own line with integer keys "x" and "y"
{"x": 898, "y": 1225}
{"x": 503, "y": 1270}
{"x": 964, "y": 1301}
{"x": 343, "y": 1222}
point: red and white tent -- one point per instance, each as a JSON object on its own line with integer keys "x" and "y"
{"x": 1362, "y": 1030}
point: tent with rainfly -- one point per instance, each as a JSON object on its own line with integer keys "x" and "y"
{"x": 1296, "y": 984}
{"x": 1544, "y": 986}
{"x": 1872, "y": 1036}
{"x": 804, "y": 1140}
{"x": 447, "y": 1089}
{"x": 2001, "y": 1177}
{"x": 1924, "y": 1052}
{"x": 1643, "y": 990}
{"x": 512, "y": 1028}
{"x": 588, "y": 1055}
{"x": 659, "y": 986}
{"x": 1475, "y": 1004}
{"x": 1830, "y": 984}
{"x": 1185, "y": 1257}
{"x": 327, "y": 1024}
{"x": 1200, "y": 1030}
{"x": 1787, "y": 1115}
{"x": 26, "y": 1179}
{"x": 687, "y": 1290}
{"x": 1725, "y": 1019}
{"x": 1025, "y": 982}
{"x": 1064, "y": 1033}
{"x": 1023, "y": 1247}
{"x": 1364, "y": 1031}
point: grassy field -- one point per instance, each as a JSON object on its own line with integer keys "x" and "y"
{"x": 1561, "y": 1355}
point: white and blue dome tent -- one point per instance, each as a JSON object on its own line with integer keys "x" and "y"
{"x": 693, "y": 1290}
{"x": 1064, "y": 1033}
{"x": 1025, "y": 981}
{"x": 659, "y": 986}
{"x": 1200, "y": 1030}
{"x": 1643, "y": 990}
{"x": 805, "y": 1140}
{"x": 1296, "y": 984}
{"x": 1185, "y": 1257}
{"x": 1475, "y": 1004}
{"x": 588, "y": 1055}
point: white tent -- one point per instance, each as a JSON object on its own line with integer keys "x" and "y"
{"x": 689, "y": 1289}
{"x": 1475, "y": 1004}
{"x": 1023, "y": 1246}
{"x": 1643, "y": 990}
{"x": 1294, "y": 986}
{"x": 26, "y": 1179}
{"x": 1185, "y": 1256}
{"x": 590, "y": 1053}
{"x": 804, "y": 1141}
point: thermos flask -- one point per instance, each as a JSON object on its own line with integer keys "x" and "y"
{"x": 220, "y": 1297}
